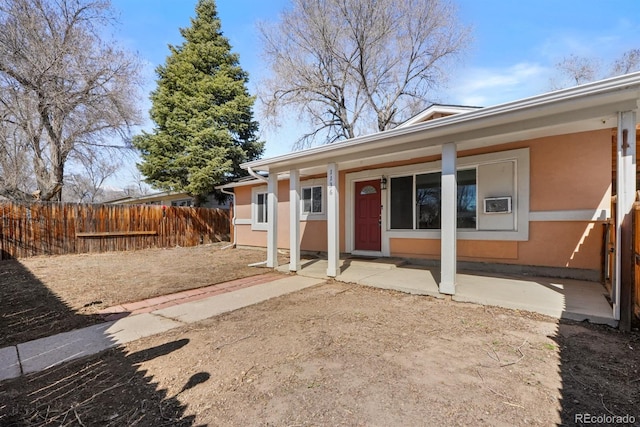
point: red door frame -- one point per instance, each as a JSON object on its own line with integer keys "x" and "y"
{"x": 367, "y": 216}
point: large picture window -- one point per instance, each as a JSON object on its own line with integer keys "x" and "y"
{"x": 424, "y": 192}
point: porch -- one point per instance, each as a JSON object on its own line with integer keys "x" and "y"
{"x": 465, "y": 186}
{"x": 559, "y": 298}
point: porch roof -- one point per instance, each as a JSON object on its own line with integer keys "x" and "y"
{"x": 582, "y": 108}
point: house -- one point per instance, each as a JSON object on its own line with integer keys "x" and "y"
{"x": 522, "y": 186}
{"x": 168, "y": 198}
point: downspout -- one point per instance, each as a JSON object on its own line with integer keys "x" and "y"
{"x": 233, "y": 219}
{"x": 256, "y": 175}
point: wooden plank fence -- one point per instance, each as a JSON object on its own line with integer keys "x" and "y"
{"x": 29, "y": 229}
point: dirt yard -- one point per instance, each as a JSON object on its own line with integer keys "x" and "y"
{"x": 42, "y": 296}
{"x": 341, "y": 354}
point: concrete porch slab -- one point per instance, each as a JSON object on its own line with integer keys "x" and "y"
{"x": 408, "y": 279}
{"x": 382, "y": 263}
{"x": 559, "y": 298}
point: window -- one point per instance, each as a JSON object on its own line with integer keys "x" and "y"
{"x": 424, "y": 191}
{"x": 467, "y": 196}
{"x": 261, "y": 208}
{"x": 312, "y": 200}
{"x": 183, "y": 202}
{"x": 428, "y": 200}
{"x": 368, "y": 189}
{"x": 402, "y": 203}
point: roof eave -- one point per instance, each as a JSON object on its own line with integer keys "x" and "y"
{"x": 605, "y": 92}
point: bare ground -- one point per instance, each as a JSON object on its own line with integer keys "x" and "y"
{"x": 45, "y": 295}
{"x": 339, "y": 354}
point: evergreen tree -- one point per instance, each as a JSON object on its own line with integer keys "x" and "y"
{"x": 202, "y": 112}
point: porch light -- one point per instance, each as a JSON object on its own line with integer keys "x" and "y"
{"x": 383, "y": 183}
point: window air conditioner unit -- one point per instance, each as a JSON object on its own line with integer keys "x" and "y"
{"x": 494, "y": 205}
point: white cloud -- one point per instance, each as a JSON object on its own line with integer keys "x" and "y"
{"x": 484, "y": 86}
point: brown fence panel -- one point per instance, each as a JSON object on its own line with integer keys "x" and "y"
{"x": 61, "y": 228}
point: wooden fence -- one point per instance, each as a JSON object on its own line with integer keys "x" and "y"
{"x": 64, "y": 228}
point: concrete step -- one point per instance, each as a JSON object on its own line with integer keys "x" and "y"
{"x": 379, "y": 263}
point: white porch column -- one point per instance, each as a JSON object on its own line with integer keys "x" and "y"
{"x": 626, "y": 196}
{"x": 294, "y": 220}
{"x": 448, "y": 220}
{"x": 272, "y": 220}
{"x": 333, "y": 230}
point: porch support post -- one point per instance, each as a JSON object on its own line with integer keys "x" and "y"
{"x": 333, "y": 229}
{"x": 448, "y": 220}
{"x": 294, "y": 220}
{"x": 626, "y": 196}
{"x": 272, "y": 220}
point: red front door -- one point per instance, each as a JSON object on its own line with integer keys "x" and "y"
{"x": 367, "y": 220}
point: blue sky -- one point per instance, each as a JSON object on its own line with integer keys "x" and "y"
{"x": 515, "y": 44}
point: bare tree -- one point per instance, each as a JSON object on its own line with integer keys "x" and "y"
{"x": 86, "y": 186}
{"x": 576, "y": 70}
{"x": 138, "y": 187}
{"x": 15, "y": 168}
{"x": 627, "y": 63}
{"x": 355, "y": 66}
{"x": 64, "y": 93}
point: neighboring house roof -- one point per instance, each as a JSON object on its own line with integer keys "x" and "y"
{"x": 582, "y": 108}
{"x": 164, "y": 195}
{"x": 437, "y": 111}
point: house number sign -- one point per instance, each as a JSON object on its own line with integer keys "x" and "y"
{"x": 331, "y": 181}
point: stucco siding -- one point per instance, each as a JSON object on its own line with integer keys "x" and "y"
{"x": 243, "y": 203}
{"x": 568, "y": 174}
{"x": 246, "y": 237}
{"x": 571, "y": 171}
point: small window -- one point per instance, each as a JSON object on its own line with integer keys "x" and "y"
{"x": 368, "y": 189}
{"x": 184, "y": 202}
{"x": 261, "y": 207}
{"x": 312, "y": 200}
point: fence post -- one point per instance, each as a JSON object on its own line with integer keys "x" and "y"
{"x": 627, "y": 255}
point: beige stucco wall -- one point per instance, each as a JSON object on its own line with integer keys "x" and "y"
{"x": 243, "y": 203}
{"x": 568, "y": 172}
